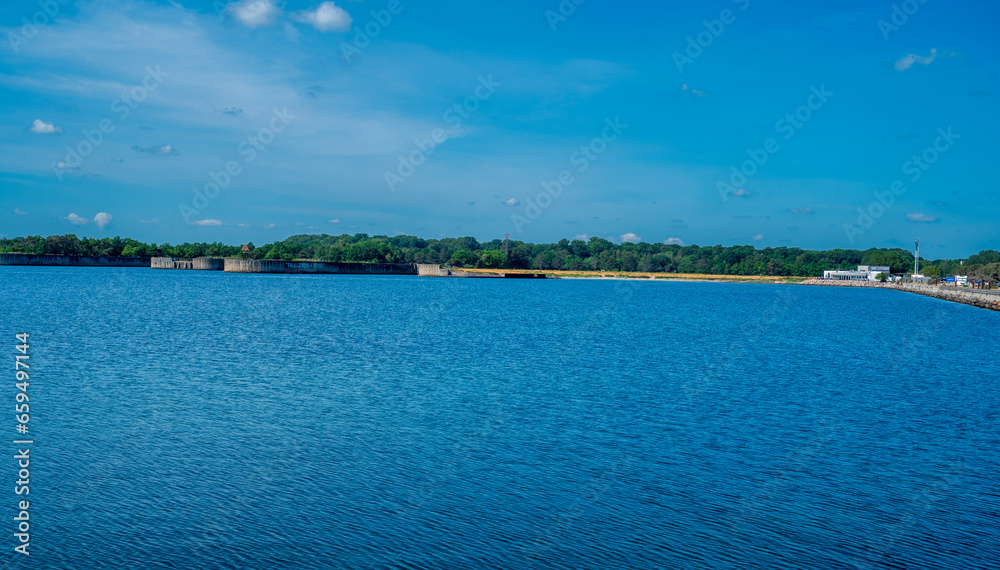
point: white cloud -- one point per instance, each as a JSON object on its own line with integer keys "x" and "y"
{"x": 581, "y": 237}
{"x": 512, "y": 202}
{"x": 631, "y": 238}
{"x": 802, "y": 211}
{"x": 269, "y": 226}
{"x": 102, "y": 219}
{"x": 74, "y": 219}
{"x": 674, "y": 241}
{"x": 242, "y": 225}
{"x": 253, "y": 13}
{"x": 758, "y": 237}
{"x": 43, "y": 128}
{"x": 165, "y": 149}
{"x": 327, "y": 17}
{"x": 208, "y": 222}
{"x": 335, "y": 221}
{"x": 19, "y": 212}
{"x": 921, "y": 218}
{"x": 153, "y": 221}
{"x": 66, "y": 166}
{"x": 741, "y": 193}
{"x": 693, "y": 91}
{"x": 907, "y": 61}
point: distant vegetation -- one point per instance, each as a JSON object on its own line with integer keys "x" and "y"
{"x": 596, "y": 254}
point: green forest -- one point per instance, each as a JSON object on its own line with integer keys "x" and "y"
{"x": 596, "y": 254}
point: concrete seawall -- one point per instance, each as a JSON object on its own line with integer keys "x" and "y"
{"x": 985, "y": 299}
{"x": 431, "y": 270}
{"x": 72, "y": 260}
{"x": 200, "y": 263}
{"x": 317, "y": 267}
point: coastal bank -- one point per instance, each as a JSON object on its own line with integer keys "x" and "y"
{"x": 274, "y": 266}
{"x": 72, "y": 260}
{"x": 986, "y": 299}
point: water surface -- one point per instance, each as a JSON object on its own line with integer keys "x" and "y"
{"x": 205, "y": 420}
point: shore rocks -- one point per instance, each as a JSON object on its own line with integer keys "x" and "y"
{"x": 976, "y": 297}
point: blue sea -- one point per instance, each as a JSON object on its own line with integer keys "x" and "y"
{"x": 186, "y": 419}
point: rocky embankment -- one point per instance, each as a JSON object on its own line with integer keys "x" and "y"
{"x": 987, "y": 299}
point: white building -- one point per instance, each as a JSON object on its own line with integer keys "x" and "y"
{"x": 864, "y": 273}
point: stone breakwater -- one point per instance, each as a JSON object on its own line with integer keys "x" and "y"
{"x": 986, "y": 299}
{"x": 72, "y": 260}
{"x": 317, "y": 267}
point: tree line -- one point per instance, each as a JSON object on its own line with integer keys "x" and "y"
{"x": 595, "y": 254}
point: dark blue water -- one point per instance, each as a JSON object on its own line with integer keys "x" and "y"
{"x": 207, "y": 420}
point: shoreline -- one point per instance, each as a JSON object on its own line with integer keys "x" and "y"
{"x": 644, "y": 276}
{"x": 982, "y": 298}
{"x": 985, "y": 299}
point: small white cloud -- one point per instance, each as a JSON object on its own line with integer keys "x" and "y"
{"x": 66, "y": 166}
{"x": 327, "y": 17}
{"x": 253, "y": 13}
{"x": 802, "y": 211}
{"x": 43, "y": 128}
{"x": 741, "y": 193}
{"x": 674, "y": 241}
{"x": 19, "y": 212}
{"x": 299, "y": 224}
{"x": 74, "y": 219}
{"x": 512, "y": 202}
{"x": 102, "y": 219}
{"x": 241, "y": 225}
{"x": 208, "y": 222}
{"x": 165, "y": 149}
{"x": 335, "y": 221}
{"x": 153, "y": 221}
{"x": 693, "y": 91}
{"x": 630, "y": 238}
{"x": 907, "y": 61}
{"x": 269, "y": 226}
{"x": 921, "y": 218}
{"x": 758, "y": 237}
{"x": 581, "y": 237}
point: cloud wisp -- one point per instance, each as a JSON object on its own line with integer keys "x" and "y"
{"x": 907, "y": 61}
{"x": 254, "y": 13}
{"x": 327, "y": 17}
{"x": 42, "y": 128}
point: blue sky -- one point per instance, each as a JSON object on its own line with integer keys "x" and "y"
{"x": 116, "y": 112}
